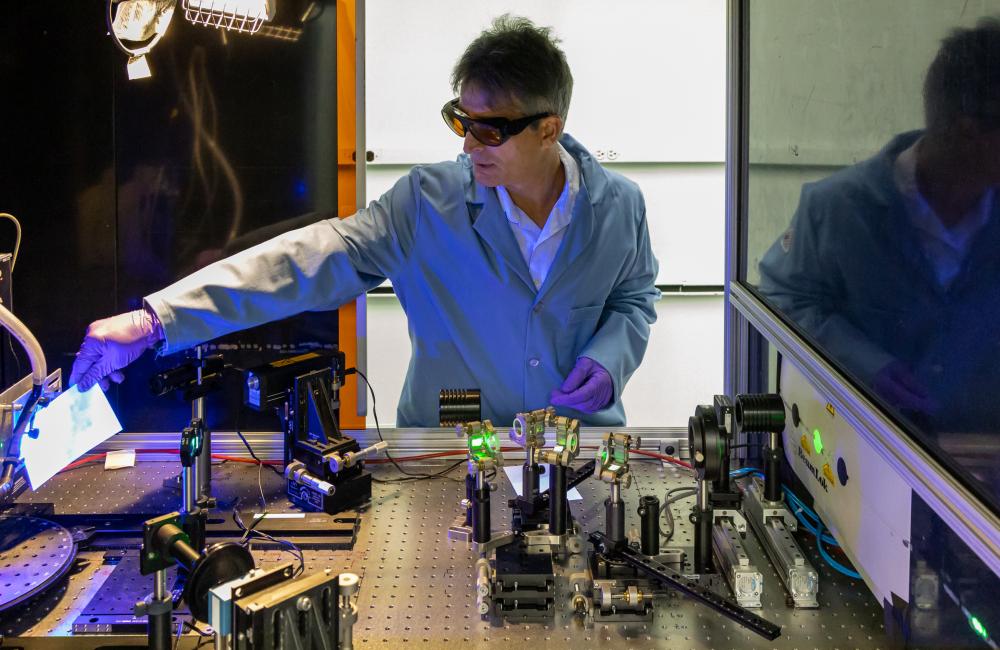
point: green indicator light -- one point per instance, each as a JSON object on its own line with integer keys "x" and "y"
{"x": 817, "y": 441}
{"x": 978, "y": 627}
{"x": 476, "y": 441}
{"x": 604, "y": 456}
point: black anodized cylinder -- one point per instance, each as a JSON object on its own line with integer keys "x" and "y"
{"x": 557, "y": 500}
{"x": 703, "y": 541}
{"x": 772, "y": 474}
{"x": 615, "y": 520}
{"x": 481, "y": 515}
{"x": 649, "y": 525}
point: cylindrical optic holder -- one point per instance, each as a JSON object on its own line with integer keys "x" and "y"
{"x": 481, "y": 510}
{"x": 649, "y": 525}
{"x": 557, "y": 500}
{"x": 614, "y": 510}
{"x": 458, "y": 405}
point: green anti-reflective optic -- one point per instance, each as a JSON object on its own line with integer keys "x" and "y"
{"x": 978, "y": 627}
{"x": 817, "y": 441}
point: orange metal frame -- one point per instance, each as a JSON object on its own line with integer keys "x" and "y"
{"x": 346, "y": 202}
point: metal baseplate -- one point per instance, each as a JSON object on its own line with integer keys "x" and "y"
{"x": 770, "y": 521}
{"x": 459, "y": 530}
{"x": 745, "y": 581}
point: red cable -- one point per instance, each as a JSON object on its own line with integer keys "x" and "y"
{"x": 669, "y": 459}
{"x": 404, "y": 459}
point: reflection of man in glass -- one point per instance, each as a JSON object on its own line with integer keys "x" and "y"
{"x": 892, "y": 265}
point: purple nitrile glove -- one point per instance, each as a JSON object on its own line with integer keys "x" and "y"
{"x": 588, "y": 387}
{"x": 897, "y": 384}
{"x": 110, "y": 345}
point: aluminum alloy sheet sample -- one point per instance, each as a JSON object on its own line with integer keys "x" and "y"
{"x": 69, "y": 426}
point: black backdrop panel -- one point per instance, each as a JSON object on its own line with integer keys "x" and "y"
{"x": 125, "y": 186}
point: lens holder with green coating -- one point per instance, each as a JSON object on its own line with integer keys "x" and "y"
{"x": 482, "y": 444}
{"x": 612, "y": 458}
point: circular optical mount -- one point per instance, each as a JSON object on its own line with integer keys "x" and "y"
{"x": 708, "y": 446}
{"x": 221, "y": 563}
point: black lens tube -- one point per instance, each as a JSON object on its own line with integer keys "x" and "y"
{"x": 557, "y": 500}
{"x": 481, "y": 514}
{"x": 649, "y": 525}
{"x": 614, "y": 515}
{"x": 703, "y": 520}
{"x": 529, "y": 480}
{"x": 760, "y": 413}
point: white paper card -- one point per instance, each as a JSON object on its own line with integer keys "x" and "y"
{"x": 513, "y": 473}
{"x": 119, "y": 458}
{"x": 69, "y": 426}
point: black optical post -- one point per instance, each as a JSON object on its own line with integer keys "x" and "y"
{"x": 707, "y": 450}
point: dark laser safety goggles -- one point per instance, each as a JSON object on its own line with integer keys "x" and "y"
{"x": 491, "y": 131}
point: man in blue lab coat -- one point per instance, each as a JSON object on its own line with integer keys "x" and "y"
{"x": 892, "y": 265}
{"x": 524, "y": 268}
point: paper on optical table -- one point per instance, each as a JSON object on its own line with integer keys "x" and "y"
{"x": 513, "y": 473}
{"x": 69, "y": 426}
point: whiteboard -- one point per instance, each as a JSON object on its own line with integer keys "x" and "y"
{"x": 649, "y": 75}
{"x": 832, "y": 82}
{"x": 685, "y": 213}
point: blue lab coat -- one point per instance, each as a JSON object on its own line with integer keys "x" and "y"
{"x": 852, "y": 273}
{"x": 475, "y": 318}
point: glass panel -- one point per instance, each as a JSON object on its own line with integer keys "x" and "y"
{"x": 952, "y": 602}
{"x": 874, "y": 215}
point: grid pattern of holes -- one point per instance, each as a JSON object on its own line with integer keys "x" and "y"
{"x": 418, "y": 588}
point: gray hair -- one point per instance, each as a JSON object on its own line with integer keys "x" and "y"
{"x": 520, "y": 62}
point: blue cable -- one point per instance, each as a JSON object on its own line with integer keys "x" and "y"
{"x": 815, "y": 526}
{"x": 818, "y": 531}
{"x": 835, "y": 565}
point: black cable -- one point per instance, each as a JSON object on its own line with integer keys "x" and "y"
{"x": 251, "y": 532}
{"x": 409, "y": 476}
{"x": 421, "y": 477}
{"x": 250, "y": 449}
{"x": 259, "y": 461}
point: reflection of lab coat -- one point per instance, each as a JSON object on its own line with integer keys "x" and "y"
{"x": 852, "y": 273}
{"x": 475, "y": 318}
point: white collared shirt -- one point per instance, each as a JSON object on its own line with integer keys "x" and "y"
{"x": 540, "y": 245}
{"x": 944, "y": 247}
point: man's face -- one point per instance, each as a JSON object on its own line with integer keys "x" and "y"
{"x": 516, "y": 161}
{"x": 975, "y": 146}
{"x": 989, "y": 149}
